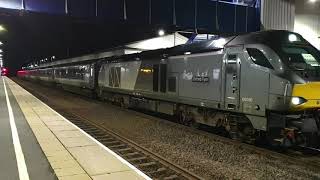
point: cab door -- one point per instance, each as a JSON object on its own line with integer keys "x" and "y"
{"x": 255, "y": 81}
{"x": 232, "y": 79}
{"x": 92, "y": 76}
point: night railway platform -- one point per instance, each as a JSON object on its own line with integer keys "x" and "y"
{"x": 39, "y": 143}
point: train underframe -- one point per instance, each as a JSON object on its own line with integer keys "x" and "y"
{"x": 234, "y": 125}
{"x": 283, "y": 130}
{"x": 296, "y": 129}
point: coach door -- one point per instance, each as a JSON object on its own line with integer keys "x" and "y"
{"x": 232, "y": 81}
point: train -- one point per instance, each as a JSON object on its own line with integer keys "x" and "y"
{"x": 260, "y": 85}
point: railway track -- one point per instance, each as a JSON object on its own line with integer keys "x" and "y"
{"x": 156, "y": 166}
{"x": 151, "y": 164}
{"x": 303, "y": 156}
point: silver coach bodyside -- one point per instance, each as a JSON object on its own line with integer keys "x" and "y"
{"x": 46, "y": 75}
{"x": 81, "y": 76}
{"x": 121, "y": 75}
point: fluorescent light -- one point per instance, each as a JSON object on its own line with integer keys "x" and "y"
{"x": 293, "y": 38}
{"x": 312, "y": 1}
{"x": 2, "y": 28}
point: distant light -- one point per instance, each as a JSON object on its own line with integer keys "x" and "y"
{"x": 1, "y": 51}
{"x": 0, "y": 55}
{"x": 2, "y": 28}
{"x": 187, "y": 53}
{"x": 293, "y": 38}
{"x": 161, "y": 32}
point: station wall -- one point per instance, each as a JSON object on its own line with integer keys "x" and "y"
{"x": 308, "y": 25}
{"x": 301, "y": 16}
{"x": 278, "y": 14}
{"x": 307, "y": 21}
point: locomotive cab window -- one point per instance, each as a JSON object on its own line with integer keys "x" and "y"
{"x": 259, "y": 58}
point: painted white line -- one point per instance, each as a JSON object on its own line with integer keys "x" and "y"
{"x": 93, "y": 139}
{"x": 21, "y": 163}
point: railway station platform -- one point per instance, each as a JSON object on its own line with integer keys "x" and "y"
{"x": 38, "y": 143}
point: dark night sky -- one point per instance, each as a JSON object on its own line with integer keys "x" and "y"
{"x": 33, "y": 36}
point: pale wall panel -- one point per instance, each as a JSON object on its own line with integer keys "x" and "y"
{"x": 278, "y": 14}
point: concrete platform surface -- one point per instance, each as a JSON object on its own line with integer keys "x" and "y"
{"x": 63, "y": 151}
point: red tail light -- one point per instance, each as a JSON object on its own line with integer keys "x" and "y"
{"x": 4, "y": 71}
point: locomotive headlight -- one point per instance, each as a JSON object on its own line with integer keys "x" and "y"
{"x": 298, "y": 100}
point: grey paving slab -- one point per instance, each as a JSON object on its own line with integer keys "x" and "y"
{"x": 96, "y": 160}
{"x": 37, "y": 163}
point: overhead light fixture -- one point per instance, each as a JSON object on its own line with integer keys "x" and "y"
{"x": 1, "y": 43}
{"x": 2, "y": 28}
{"x": 161, "y": 32}
{"x": 312, "y": 1}
{"x": 293, "y": 38}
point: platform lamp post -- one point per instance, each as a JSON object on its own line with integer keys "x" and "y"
{"x": 1, "y": 61}
{"x": 2, "y": 30}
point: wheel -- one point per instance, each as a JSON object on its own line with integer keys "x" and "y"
{"x": 186, "y": 118}
{"x": 123, "y": 104}
{"x": 194, "y": 124}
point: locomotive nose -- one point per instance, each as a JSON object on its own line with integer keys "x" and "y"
{"x": 305, "y": 96}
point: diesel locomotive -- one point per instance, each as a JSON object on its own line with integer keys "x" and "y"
{"x": 261, "y": 84}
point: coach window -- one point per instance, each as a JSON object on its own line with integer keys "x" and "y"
{"x": 259, "y": 58}
{"x": 172, "y": 84}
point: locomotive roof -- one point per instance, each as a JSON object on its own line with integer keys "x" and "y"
{"x": 262, "y": 37}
